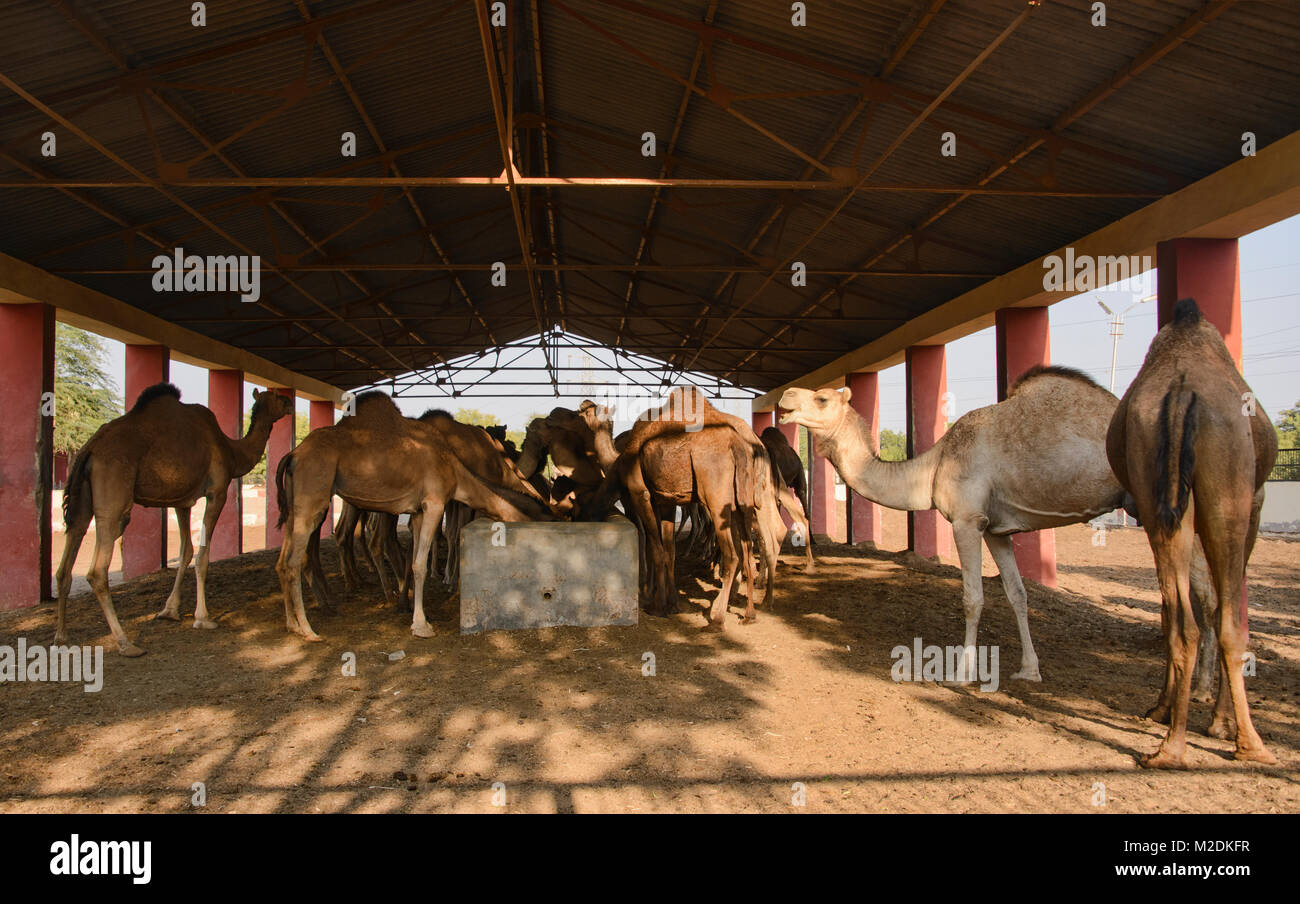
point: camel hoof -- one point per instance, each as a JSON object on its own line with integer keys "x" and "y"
{"x": 422, "y": 630}
{"x": 61, "y": 638}
{"x": 205, "y": 623}
{"x": 130, "y": 651}
{"x": 1027, "y": 675}
{"x": 1162, "y": 760}
{"x": 748, "y": 619}
{"x": 712, "y": 625}
{"x": 1256, "y": 755}
{"x": 310, "y": 636}
{"x": 169, "y": 615}
{"x": 1159, "y": 714}
{"x": 1221, "y": 729}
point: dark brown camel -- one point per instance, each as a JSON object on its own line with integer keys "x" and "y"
{"x": 1193, "y": 449}
{"x": 791, "y": 483}
{"x": 160, "y": 454}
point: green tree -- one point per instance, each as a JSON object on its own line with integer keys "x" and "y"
{"x": 1288, "y": 427}
{"x": 85, "y": 396}
{"x": 893, "y": 445}
{"x": 474, "y": 416}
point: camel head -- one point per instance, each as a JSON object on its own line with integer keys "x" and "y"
{"x": 819, "y": 411}
{"x": 270, "y": 405}
{"x": 537, "y": 443}
{"x": 597, "y": 417}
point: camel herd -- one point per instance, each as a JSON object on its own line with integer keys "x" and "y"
{"x": 1180, "y": 451}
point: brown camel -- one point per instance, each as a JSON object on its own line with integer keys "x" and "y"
{"x": 160, "y": 454}
{"x": 1194, "y": 450}
{"x": 1015, "y": 466}
{"x": 382, "y": 462}
{"x": 687, "y": 451}
{"x": 563, "y": 436}
{"x": 791, "y": 483}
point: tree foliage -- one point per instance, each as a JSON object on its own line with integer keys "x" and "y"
{"x": 85, "y": 396}
{"x": 1288, "y": 427}
{"x": 893, "y": 445}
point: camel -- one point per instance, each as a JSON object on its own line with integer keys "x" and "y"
{"x": 1019, "y": 465}
{"x": 381, "y": 462}
{"x": 566, "y": 438}
{"x": 791, "y": 484}
{"x": 160, "y": 454}
{"x": 674, "y": 459}
{"x": 1195, "y": 459}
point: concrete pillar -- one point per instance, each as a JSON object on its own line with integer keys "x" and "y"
{"x": 144, "y": 543}
{"x": 864, "y": 516}
{"x": 1023, "y": 341}
{"x": 1208, "y": 270}
{"x": 321, "y": 414}
{"x": 761, "y": 420}
{"x": 928, "y": 533}
{"x": 280, "y": 445}
{"x": 226, "y": 399}
{"x": 26, "y": 454}
{"x": 827, "y": 513}
{"x": 791, "y": 432}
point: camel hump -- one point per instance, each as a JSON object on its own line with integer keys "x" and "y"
{"x": 375, "y": 404}
{"x": 1039, "y": 371}
{"x": 156, "y": 391}
{"x": 1187, "y": 312}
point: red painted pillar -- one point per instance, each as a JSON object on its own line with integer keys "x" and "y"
{"x": 791, "y": 432}
{"x": 827, "y": 514}
{"x": 26, "y": 454}
{"x": 864, "y": 515}
{"x": 321, "y": 414}
{"x": 928, "y": 534}
{"x": 1023, "y": 341}
{"x": 280, "y": 445}
{"x": 144, "y": 543}
{"x": 226, "y": 399}
{"x": 761, "y": 420}
{"x": 1208, "y": 270}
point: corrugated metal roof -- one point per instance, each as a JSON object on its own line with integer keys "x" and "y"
{"x": 589, "y": 80}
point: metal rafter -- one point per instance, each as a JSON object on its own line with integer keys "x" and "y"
{"x": 1167, "y": 42}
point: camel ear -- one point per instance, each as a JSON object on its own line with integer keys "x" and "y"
{"x": 847, "y": 393}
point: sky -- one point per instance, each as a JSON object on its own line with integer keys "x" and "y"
{"x": 1080, "y": 337}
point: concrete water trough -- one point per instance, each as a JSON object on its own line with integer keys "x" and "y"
{"x": 547, "y": 574}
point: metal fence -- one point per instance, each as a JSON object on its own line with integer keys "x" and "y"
{"x": 1287, "y": 466}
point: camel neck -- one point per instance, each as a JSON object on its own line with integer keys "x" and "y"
{"x": 906, "y": 485}
{"x": 247, "y": 451}
{"x": 606, "y": 454}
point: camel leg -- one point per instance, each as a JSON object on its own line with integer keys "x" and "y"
{"x": 344, "y": 539}
{"x": 967, "y": 534}
{"x": 211, "y": 513}
{"x": 1223, "y": 724}
{"x": 790, "y": 502}
{"x": 315, "y": 571}
{"x": 374, "y": 536}
{"x": 108, "y": 527}
{"x": 422, "y": 534}
{"x": 1204, "y": 605}
{"x": 76, "y": 525}
{"x": 1227, "y": 562}
{"x": 293, "y": 552}
{"x": 1172, "y": 555}
{"x": 172, "y": 607}
{"x": 1005, "y": 557}
{"x": 741, "y": 537}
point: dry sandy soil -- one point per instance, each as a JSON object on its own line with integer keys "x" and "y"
{"x": 729, "y": 722}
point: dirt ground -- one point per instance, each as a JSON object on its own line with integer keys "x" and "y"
{"x": 731, "y": 721}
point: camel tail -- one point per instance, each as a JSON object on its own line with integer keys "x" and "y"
{"x": 1179, "y": 417}
{"x": 76, "y": 491}
{"x": 283, "y": 488}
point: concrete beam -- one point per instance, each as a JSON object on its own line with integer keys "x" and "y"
{"x": 23, "y": 283}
